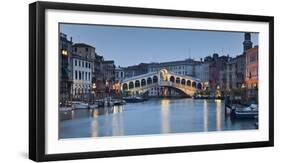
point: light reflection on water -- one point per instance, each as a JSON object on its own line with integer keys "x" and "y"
{"x": 205, "y": 120}
{"x": 165, "y": 121}
{"x": 155, "y": 116}
{"x": 218, "y": 114}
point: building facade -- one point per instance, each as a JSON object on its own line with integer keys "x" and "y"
{"x": 202, "y": 71}
{"x": 216, "y": 65}
{"x": 183, "y": 67}
{"x": 83, "y": 66}
{"x": 234, "y": 76}
{"x": 65, "y": 70}
{"x": 135, "y": 70}
{"x": 252, "y": 72}
{"x": 85, "y": 51}
{"x": 108, "y": 72}
{"x": 119, "y": 74}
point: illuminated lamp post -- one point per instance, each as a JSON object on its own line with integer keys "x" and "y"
{"x": 94, "y": 89}
{"x": 218, "y": 92}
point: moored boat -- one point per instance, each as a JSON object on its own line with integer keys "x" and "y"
{"x": 119, "y": 102}
{"x": 246, "y": 112}
{"x": 93, "y": 106}
{"x": 134, "y": 99}
{"x": 79, "y": 105}
{"x": 229, "y": 109}
{"x": 65, "y": 108}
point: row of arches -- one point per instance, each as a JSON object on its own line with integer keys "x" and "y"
{"x": 140, "y": 83}
{"x": 154, "y": 79}
{"x": 185, "y": 82}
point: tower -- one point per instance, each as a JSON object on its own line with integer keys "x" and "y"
{"x": 247, "y": 41}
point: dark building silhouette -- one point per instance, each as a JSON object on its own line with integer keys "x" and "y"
{"x": 65, "y": 71}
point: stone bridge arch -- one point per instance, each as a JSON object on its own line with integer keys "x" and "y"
{"x": 186, "y": 84}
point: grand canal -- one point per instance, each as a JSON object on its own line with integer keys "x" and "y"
{"x": 155, "y": 116}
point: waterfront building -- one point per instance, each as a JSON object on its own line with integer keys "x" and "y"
{"x": 65, "y": 70}
{"x": 135, "y": 70}
{"x": 182, "y": 67}
{"x": 85, "y": 51}
{"x": 235, "y": 73}
{"x": 104, "y": 76}
{"x": 251, "y": 74}
{"x": 98, "y": 68}
{"x": 98, "y": 76}
{"x": 97, "y": 79}
{"x": 119, "y": 74}
{"x": 108, "y": 72}
{"x": 202, "y": 71}
{"x": 223, "y": 80}
{"x": 232, "y": 78}
{"x": 216, "y": 65}
{"x": 83, "y": 66}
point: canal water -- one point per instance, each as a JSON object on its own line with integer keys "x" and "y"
{"x": 155, "y": 116}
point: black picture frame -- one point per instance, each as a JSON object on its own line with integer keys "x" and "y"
{"x": 37, "y": 80}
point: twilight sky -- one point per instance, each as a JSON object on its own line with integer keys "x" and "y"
{"x": 133, "y": 45}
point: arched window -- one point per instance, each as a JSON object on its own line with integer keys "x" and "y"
{"x": 188, "y": 83}
{"x": 149, "y": 80}
{"x": 143, "y": 82}
{"x": 178, "y": 80}
{"x": 155, "y": 79}
{"x": 131, "y": 85}
{"x": 194, "y": 84}
{"x": 137, "y": 84}
{"x": 125, "y": 86}
{"x": 172, "y": 79}
{"x": 199, "y": 86}
{"x": 183, "y": 81}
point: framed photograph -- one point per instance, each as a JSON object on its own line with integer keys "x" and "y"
{"x": 110, "y": 81}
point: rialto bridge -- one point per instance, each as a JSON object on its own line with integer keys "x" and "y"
{"x": 164, "y": 78}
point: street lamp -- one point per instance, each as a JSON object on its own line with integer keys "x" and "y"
{"x": 94, "y": 87}
{"x": 218, "y": 92}
{"x": 218, "y": 87}
{"x": 64, "y": 52}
